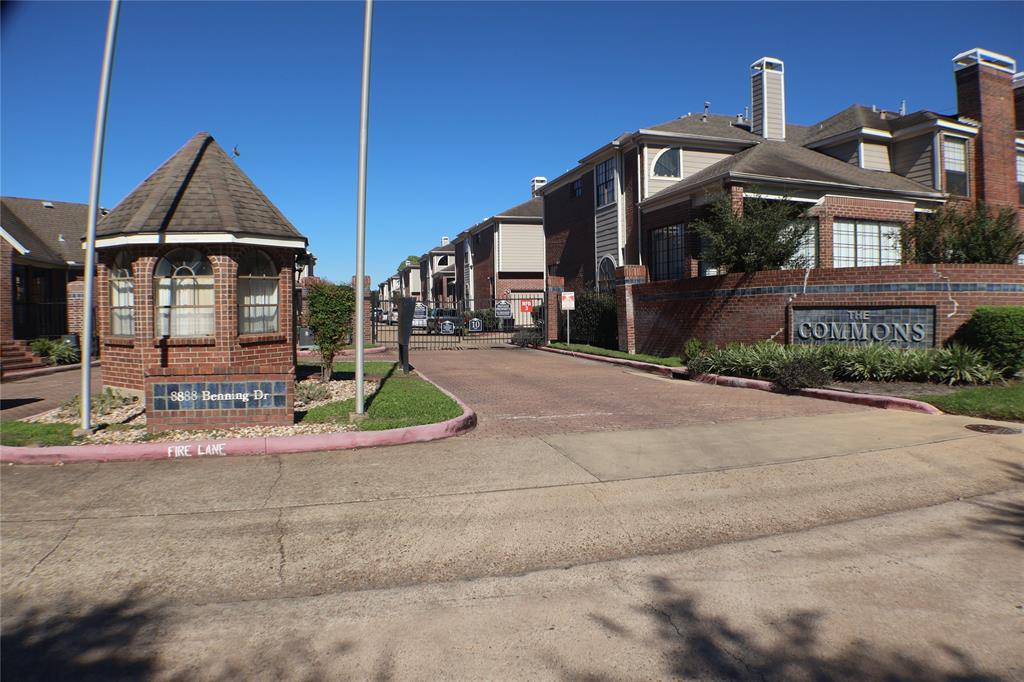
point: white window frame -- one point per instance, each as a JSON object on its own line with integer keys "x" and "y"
{"x": 889, "y": 251}
{"x": 654, "y": 164}
{"x": 610, "y": 162}
{"x": 956, "y": 139}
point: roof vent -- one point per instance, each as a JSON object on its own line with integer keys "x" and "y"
{"x": 768, "y": 98}
{"x": 47, "y": 204}
{"x": 536, "y": 183}
{"x": 985, "y": 58}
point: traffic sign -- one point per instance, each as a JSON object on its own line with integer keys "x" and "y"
{"x": 526, "y": 306}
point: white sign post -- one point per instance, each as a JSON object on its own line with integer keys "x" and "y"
{"x": 568, "y": 303}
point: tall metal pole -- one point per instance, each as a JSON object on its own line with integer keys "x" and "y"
{"x": 94, "y": 207}
{"x": 364, "y": 126}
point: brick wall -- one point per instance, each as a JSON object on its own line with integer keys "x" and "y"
{"x": 6, "y": 291}
{"x": 482, "y": 244}
{"x": 986, "y": 94}
{"x": 136, "y": 362}
{"x": 555, "y": 287}
{"x": 630, "y": 197}
{"x": 836, "y": 207}
{"x": 460, "y": 272}
{"x": 76, "y": 306}
{"x": 569, "y": 233}
{"x": 756, "y": 307}
{"x": 518, "y": 282}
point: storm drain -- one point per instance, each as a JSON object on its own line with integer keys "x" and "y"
{"x": 993, "y": 428}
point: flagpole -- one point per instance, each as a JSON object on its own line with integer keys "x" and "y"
{"x": 88, "y": 320}
{"x": 364, "y": 125}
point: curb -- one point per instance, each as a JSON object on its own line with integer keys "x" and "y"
{"x": 241, "y": 447}
{"x": 883, "y": 402}
{"x": 15, "y": 375}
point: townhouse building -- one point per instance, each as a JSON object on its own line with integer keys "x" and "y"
{"x": 409, "y": 280}
{"x": 437, "y": 275}
{"x": 863, "y": 173}
{"x": 503, "y": 255}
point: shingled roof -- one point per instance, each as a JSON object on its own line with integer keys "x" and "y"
{"x": 198, "y": 190}
{"x": 52, "y": 231}
{"x": 781, "y": 161}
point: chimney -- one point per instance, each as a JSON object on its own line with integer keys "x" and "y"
{"x": 768, "y": 98}
{"x": 984, "y": 92}
{"x": 444, "y": 241}
{"x": 536, "y": 183}
{"x": 1018, "y": 99}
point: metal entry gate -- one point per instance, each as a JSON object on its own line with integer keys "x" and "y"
{"x": 458, "y": 325}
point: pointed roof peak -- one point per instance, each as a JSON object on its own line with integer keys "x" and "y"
{"x": 200, "y": 189}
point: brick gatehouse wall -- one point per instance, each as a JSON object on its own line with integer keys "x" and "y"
{"x": 658, "y": 317}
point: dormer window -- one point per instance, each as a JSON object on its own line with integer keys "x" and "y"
{"x": 954, "y": 163}
{"x": 668, "y": 164}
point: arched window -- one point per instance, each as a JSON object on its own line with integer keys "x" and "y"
{"x": 606, "y": 276}
{"x": 183, "y": 288}
{"x": 442, "y": 261}
{"x": 257, "y": 294}
{"x": 122, "y": 297}
{"x": 668, "y": 164}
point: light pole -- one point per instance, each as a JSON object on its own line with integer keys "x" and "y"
{"x": 88, "y": 321}
{"x": 364, "y": 126}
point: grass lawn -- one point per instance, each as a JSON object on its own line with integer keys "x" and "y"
{"x": 401, "y": 401}
{"x": 347, "y": 368}
{"x": 639, "y": 357}
{"x": 24, "y": 433}
{"x": 991, "y": 402}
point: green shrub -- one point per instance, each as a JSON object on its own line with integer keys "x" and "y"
{"x": 695, "y": 348}
{"x": 595, "y": 320}
{"x": 65, "y": 354}
{"x": 331, "y": 307}
{"x": 766, "y": 236}
{"x": 975, "y": 234}
{"x": 998, "y": 333}
{"x": 307, "y": 392}
{"x": 801, "y": 372}
{"x": 957, "y": 364}
{"x": 101, "y": 404}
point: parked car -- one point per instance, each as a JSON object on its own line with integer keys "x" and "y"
{"x": 438, "y": 316}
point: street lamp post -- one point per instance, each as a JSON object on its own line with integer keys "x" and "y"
{"x": 364, "y": 125}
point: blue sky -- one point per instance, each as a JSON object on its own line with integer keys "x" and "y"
{"x": 469, "y": 100}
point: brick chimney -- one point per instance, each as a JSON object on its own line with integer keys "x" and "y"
{"x": 984, "y": 92}
{"x": 768, "y": 98}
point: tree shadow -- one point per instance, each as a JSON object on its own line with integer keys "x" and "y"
{"x": 96, "y": 643}
{"x": 705, "y": 646}
{"x": 8, "y": 403}
{"x": 1005, "y": 518}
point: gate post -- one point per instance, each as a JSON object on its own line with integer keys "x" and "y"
{"x": 553, "y": 305}
{"x": 367, "y": 311}
{"x": 625, "y": 278}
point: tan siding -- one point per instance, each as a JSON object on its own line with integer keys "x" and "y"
{"x": 876, "y": 156}
{"x": 913, "y": 159}
{"x": 846, "y": 151}
{"x": 694, "y": 160}
{"x": 606, "y": 233}
{"x": 774, "y": 106}
{"x": 522, "y": 248}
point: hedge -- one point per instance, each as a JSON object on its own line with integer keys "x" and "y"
{"x": 997, "y": 332}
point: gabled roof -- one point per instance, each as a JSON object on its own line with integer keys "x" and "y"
{"x": 534, "y": 208}
{"x": 52, "y": 231}
{"x": 779, "y": 161}
{"x": 200, "y": 189}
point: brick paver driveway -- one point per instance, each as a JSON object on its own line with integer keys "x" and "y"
{"x": 32, "y": 395}
{"x": 520, "y": 392}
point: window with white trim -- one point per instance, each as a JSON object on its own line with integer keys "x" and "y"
{"x": 1020, "y": 179}
{"x": 807, "y": 255}
{"x": 122, "y": 297}
{"x": 257, "y": 294}
{"x": 183, "y": 288}
{"x": 863, "y": 243}
{"x": 669, "y": 163}
{"x": 604, "y": 182}
{"x": 954, "y": 163}
{"x": 667, "y": 252}
{"x": 606, "y": 276}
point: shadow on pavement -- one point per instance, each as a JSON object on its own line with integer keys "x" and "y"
{"x": 699, "y": 645}
{"x": 8, "y": 403}
{"x": 1005, "y": 518}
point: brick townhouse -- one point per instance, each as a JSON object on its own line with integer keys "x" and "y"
{"x": 437, "y": 275}
{"x": 863, "y": 173}
{"x": 41, "y": 271}
{"x": 503, "y": 255}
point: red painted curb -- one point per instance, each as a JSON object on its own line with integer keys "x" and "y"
{"x": 884, "y": 402}
{"x": 17, "y": 374}
{"x": 240, "y": 447}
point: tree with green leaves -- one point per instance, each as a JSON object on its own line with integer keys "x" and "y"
{"x": 767, "y": 235}
{"x": 967, "y": 234}
{"x": 412, "y": 260}
{"x": 331, "y": 307}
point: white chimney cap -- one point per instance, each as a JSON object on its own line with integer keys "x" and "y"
{"x": 767, "y": 64}
{"x": 980, "y": 55}
{"x": 444, "y": 241}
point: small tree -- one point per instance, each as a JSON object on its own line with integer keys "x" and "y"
{"x": 767, "y": 235}
{"x": 973, "y": 234}
{"x": 331, "y": 307}
{"x": 413, "y": 260}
